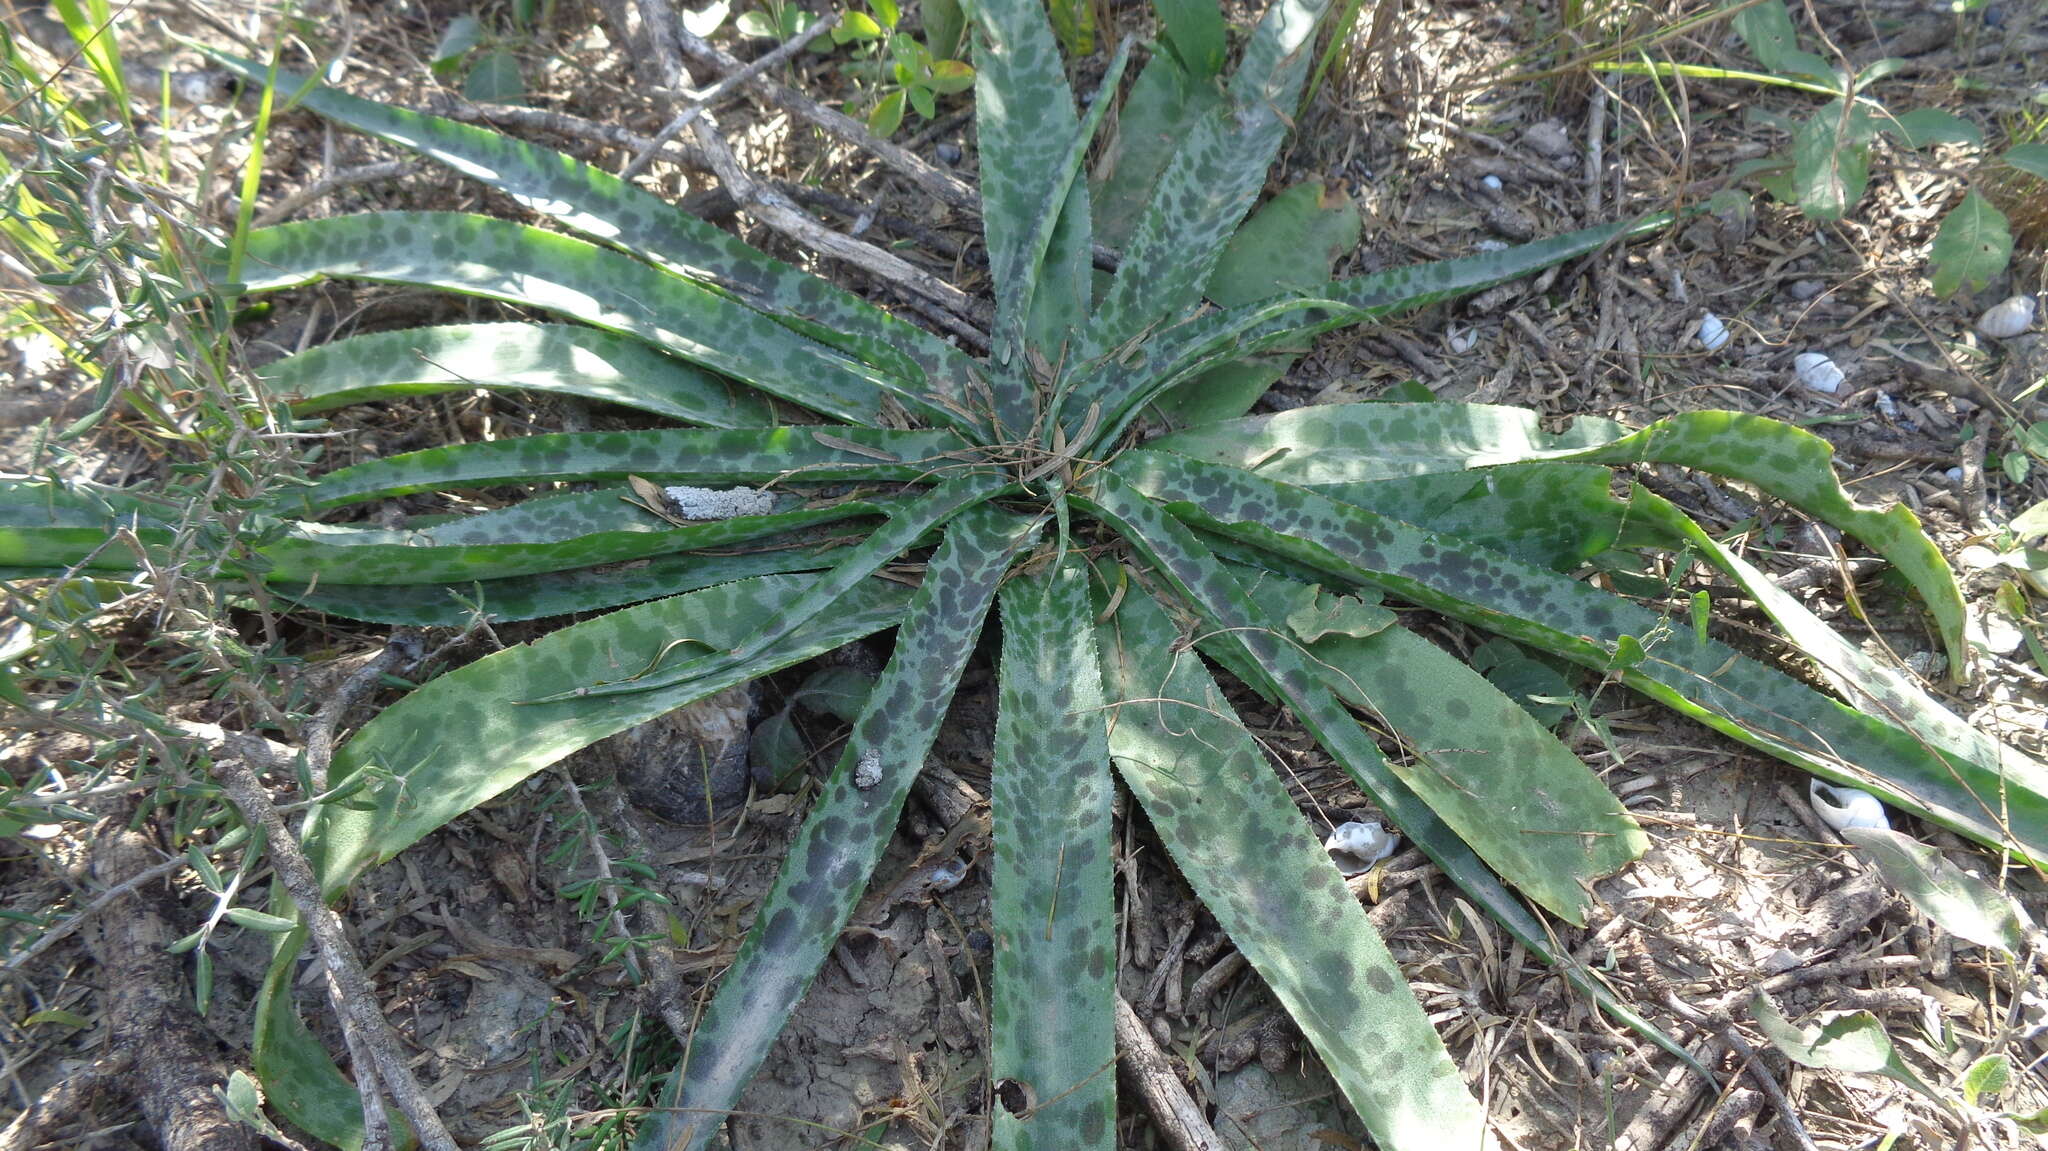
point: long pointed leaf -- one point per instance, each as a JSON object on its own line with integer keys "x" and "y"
{"x": 560, "y": 358}
{"x": 1313, "y": 446}
{"x": 1055, "y": 923}
{"x": 1209, "y": 184}
{"x": 1874, "y": 687}
{"x": 1229, "y": 824}
{"x": 546, "y": 593}
{"x": 2003, "y": 803}
{"x": 1025, "y": 119}
{"x": 1014, "y": 306}
{"x": 844, "y": 835}
{"x": 1481, "y": 761}
{"x": 461, "y": 739}
{"x": 499, "y": 260}
{"x": 721, "y": 458}
{"x": 1179, "y": 556}
{"x": 555, "y": 533}
{"x": 1135, "y": 380}
{"x": 929, "y": 374}
{"x": 1424, "y": 800}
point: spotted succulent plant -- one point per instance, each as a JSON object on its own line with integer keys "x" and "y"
{"x": 1131, "y": 569}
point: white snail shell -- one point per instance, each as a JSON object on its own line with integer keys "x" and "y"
{"x": 1817, "y": 373}
{"x": 1461, "y": 340}
{"x": 1845, "y": 807}
{"x": 2008, "y": 317}
{"x": 1491, "y": 181}
{"x": 1711, "y": 332}
{"x": 1355, "y": 847}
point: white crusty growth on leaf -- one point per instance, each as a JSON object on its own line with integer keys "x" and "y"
{"x": 713, "y": 504}
{"x": 867, "y": 770}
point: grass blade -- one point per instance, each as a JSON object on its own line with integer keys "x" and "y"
{"x": 844, "y": 835}
{"x": 1055, "y": 923}
{"x": 499, "y": 260}
{"x": 1235, "y": 834}
{"x": 2003, "y": 803}
{"x": 560, "y": 358}
{"x": 720, "y": 458}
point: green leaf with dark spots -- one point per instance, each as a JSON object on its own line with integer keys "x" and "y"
{"x": 921, "y": 369}
{"x": 844, "y": 835}
{"x": 495, "y": 259}
{"x": 1963, "y": 905}
{"x": 559, "y": 358}
{"x": 1055, "y": 952}
{"x": 1233, "y": 830}
{"x": 688, "y": 456}
{"x": 429, "y": 745}
{"x": 2003, "y": 803}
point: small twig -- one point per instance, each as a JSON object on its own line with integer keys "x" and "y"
{"x": 66, "y": 1097}
{"x": 775, "y": 210}
{"x": 709, "y": 97}
{"x": 1211, "y": 981}
{"x": 564, "y": 125}
{"x": 334, "y": 182}
{"x": 658, "y": 18}
{"x": 604, "y": 871}
{"x": 57, "y": 934}
{"x": 1673, "y": 1098}
{"x": 1754, "y": 1065}
{"x": 349, "y": 988}
{"x": 1178, "y": 1120}
{"x": 944, "y": 186}
{"x": 319, "y": 735}
{"x": 1596, "y": 142}
{"x": 665, "y": 984}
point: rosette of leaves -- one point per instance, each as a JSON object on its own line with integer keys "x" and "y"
{"x": 1129, "y": 577}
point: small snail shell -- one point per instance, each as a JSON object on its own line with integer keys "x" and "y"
{"x": 1461, "y": 340}
{"x": 1355, "y": 847}
{"x": 1845, "y": 807}
{"x": 947, "y": 876}
{"x": 1491, "y": 181}
{"x": 1817, "y": 373}
{"x": 1711, "y": 332}
{"x": 2007, "y": 318}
